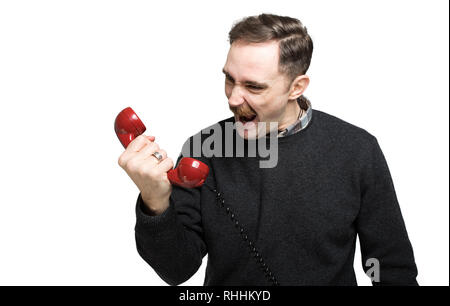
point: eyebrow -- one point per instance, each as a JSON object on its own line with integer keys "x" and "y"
{"x": 247, "y": 82}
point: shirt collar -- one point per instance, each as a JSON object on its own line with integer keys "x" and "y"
{"x": 302, "y": 121}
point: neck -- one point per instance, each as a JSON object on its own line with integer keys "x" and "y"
{"x": 293, "y": 111}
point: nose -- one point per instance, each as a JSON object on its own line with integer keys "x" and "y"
{"x": 236, "y": 98}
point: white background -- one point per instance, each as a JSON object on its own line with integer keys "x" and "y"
{"x": 68, "y": 67}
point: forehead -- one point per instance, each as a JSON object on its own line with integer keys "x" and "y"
{"x": 254, "y": 61}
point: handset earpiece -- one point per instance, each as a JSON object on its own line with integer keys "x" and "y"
{"x": 128, "y": 126}
{"x": 190, "y": 173}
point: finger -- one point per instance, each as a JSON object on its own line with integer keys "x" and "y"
{"x": 160, "y": 151}
{"x": 166, "y": 164}
{"x": 132, "y": 149}
{"x": 148, "y": 150}
{"x": 151, "y": 138}
{"x": 138, "y": 143}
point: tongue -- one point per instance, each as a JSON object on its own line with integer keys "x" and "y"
{"x": 249, "y": 125}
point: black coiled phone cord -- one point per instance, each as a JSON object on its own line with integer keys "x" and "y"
{"x": 250, "y": 244}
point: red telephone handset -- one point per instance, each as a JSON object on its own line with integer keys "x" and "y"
{"x": 190, "y": 172}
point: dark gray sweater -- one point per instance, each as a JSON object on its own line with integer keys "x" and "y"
{"x": 294, "y": 224}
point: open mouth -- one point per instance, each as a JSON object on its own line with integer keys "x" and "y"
{"x": 245, "y": 119}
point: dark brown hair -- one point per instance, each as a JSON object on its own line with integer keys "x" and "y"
{"x": 295, "y": 44}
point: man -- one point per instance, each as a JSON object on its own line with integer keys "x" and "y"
{"x": 291, "y": 224}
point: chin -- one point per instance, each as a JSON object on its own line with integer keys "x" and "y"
{"x": 248, "y": 135}
{"x": 251, "y": 130}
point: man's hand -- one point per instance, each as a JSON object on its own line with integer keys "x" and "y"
{"x": 149, "y": 174}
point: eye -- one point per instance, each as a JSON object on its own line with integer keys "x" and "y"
{"x": 229, "y": 79}
{"x": 253, "y": 87}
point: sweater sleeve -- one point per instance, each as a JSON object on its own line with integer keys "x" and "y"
{"x": 172, "y": 243}
{"x": 381, "y": 229}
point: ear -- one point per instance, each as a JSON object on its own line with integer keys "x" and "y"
{"x": 298, "y": 86}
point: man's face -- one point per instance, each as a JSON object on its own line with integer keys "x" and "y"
{"x": 256, "y": 90}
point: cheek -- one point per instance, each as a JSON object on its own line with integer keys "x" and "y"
{"x": 260, "y": 104}
{"x": 267, "y": 106}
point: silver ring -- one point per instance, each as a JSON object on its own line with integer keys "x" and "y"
{"x": 157, "y": 155}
